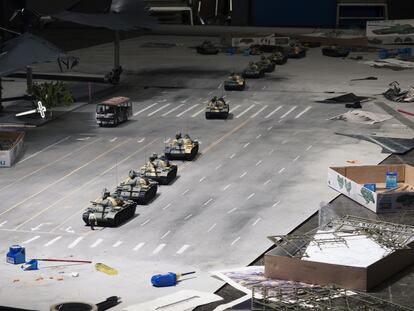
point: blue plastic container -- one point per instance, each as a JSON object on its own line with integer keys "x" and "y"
{"x": 30, "y": 265}
{"x": 383, "y": 53}
{"x": 372, "y": 187}
{"x": 164, "y": 280}
{"x": 16, "y": 255}
{"x": 391, "y": 180}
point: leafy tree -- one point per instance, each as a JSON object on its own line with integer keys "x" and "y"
{"x": 52, "y": 94}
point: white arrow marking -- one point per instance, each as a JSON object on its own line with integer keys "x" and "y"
{"x": 141, "y": 140}
{"x": 69, "y": 230}
{"x": 39, "y": 226}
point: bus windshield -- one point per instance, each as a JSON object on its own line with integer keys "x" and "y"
{"x": 105, "y": 109}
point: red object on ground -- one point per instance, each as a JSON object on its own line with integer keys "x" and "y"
{"x": 64, "y": 260}
{"x": 406, "y": 112}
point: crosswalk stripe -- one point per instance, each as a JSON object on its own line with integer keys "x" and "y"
{"x": 138, "y": 246}
{"x": 117, "y": 244}
{"x": 188, "y": 109}
{"x": 182, "y": 249}
{"x": 245, "y": 111}
{"x": 273, "y": 112}
{"x": 158, "y": 249}
{"x": 53, "y": 241}
{"x": 198, "y": 112}
{"x": 234, "y": 108}
{"x": 172, "y": 110}
{"x": 31, "y": 240}
{"x": 303, "y": 112}
{"x": 74, "y": 243}
{"x": 97, "y": 242}
{"x": 263, "y": 108}
{"x": 159, "y": 109}
{"x": 289, "y": 111}
{"x": 145, "y": 109}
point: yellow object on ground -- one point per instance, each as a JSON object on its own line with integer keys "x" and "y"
{"x": 105, "y": 269}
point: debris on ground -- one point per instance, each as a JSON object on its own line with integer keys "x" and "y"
{"x": 390, "y": 63}
{"x": 394, "y": 93}
{"x": 105, "y": 269}
{"x": 406, "y": 112}
{"x": 346, "y": 98}
{"x": 167, "y": 279}
{"x": 361, "y": 116}
{"x": 367, "y": 78}
{"x": 355, "y": 105}
{"x": 109, "y": 303}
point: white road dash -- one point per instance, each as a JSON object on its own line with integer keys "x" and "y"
{"x": 217, "y": 167}
{"x": 113, "y": 139}
{"x": 31, "y": 240}
{"x": 251, "y": 196}
{"x": 242, "y": 175}
{"x": 258, "y": 136}
{"x": 212, "y": 227}
{"x": 182, "y": 249}
{"x": 201, "y": 179}
{"x": 184, "y": 101}
{"x": 158, "y": 249}
{"x": 258, "y": 162}
{"x": 165, "y": 234}
{"x": 53, "y": 241}
{"x": 116, "y": 244}
{"x": 269, "y": 128}
{"x": 246, "y": 144}
{"x": 232, "y": 156}
{"x": 188, "y": 217}
{"x": 145, "y": 109}
{"x": 226, "y": 187}
{"x": 276, "y": 204}
{"x": 267, "y": 182}
{"x": 232, "y": 210}
{"x": 273, "y": 112}
{"x": 297, "y": 158}
{"x": 235, "y": 241}
{"x": 245, "y": 111}
{"x": 256, "y": 222}
{"x": 208, "y": 201}
{"x": 303, "y": 112}
{"x": 258, "y": 112}
{"x": 185, "y": 191}
{"x": 309, "y": 148}
{"x": 159, "y": 109}
{"x": 3, "y": 223}
{"x": 138, "y": 246}
{"x": 97, "y": 242}
{"x": 219, "y": 87}
{"x": 141, "y": 140}
{"x": 166, "y": 206}
{"x": 234, "y": 108}
{"x": 209, "y": 93}
{"x": 281, "y": 170}
{"x": 198, "y": 112}
{"x": 186, "y": 110}
{"x": 172, "y": 110}
{"x": 167, "y": 141}
{"x": 287, "y": 112}
{"x": 145, "y": 222}
{"x": 74, "y": 243}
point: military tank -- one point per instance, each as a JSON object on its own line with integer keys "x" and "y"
{"x": 335, "y": 51}
{"x": 159, "y": 169}
{"x": 217, "y": 108}
{"x": 207, "y": 48}
{"x": 138, "y": 189}
{"x": 182, "y": 148}
{"x": 296, "y": 50}
{"x": 395, "y": 29}
{"x": 266, "y": 64}
{"x": 253, "y": 71}
{"x": 110, "y": 211}
{"x": 279, "y": 58}
{"x": 235, "y": 82}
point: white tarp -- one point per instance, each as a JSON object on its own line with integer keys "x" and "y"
{"x": 361, "y": 116}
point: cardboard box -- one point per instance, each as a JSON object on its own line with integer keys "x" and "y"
{"x": 350, "y": 180}
{"x": 9, "y": 156}
{"x": 391, "y": 31}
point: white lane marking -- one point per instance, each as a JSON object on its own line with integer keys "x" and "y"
{"x": 212, "y": 227}
{"x": 273, "y": 112}
{"x": 166, "y": 206}
{"x": 185, "y": 100}
{"x": 159, "y": 109}
{"x": 277, "y": 203}
{"x": 39, "y": 226}
{"x": 258, "y": 162}
{"x": 182, "y": 249}
{"x": 141, "y": 140}
{"x": 145, "y": 109}
{"x": 285, "y": 141}
{"x": 257, "y": 113}
{"x": 138, "y": 246}
{"x": 31, "y": 240}
{"x": 113, "y": 139}
{"x": 281, "y": 170}
{"x": 251, "y": 196}
{"x": 219, "y": 87}
{"x": 245, "y": 111}
{"x": 309, "y": 148}
{"x": 246, "y": 144}
{"x": 188, "y": 217}
{"x": 97, "y": 242}
{"x": 242, "y": 175}
{"x": 269, "y": 128}
{"x": 198, "y": 112}
{"x": 234, "y": 108}
{"x": 74, "y": 243}
{"x": 206, "y": 101}
{"x": 158, "y": 249}
{"x": 232, "y": 210}
{"x": 165, "y": 234}
{"x": 258, "y": 136}
{"x": 117, "y": 244}
{"x": 271, "y": 151}
{"x": 303, "y": 112}
{"x": 382, "y": 145}
{"x": 69, "y": 230}
{"x": 53, "y": 241}
{"x": 167, "y": 141}
{"x": 289, "y": 111}
{"x": 201, "y": 179}
{"x": 163, "y": 100}
{"x": 3, "y": 223}
{"x": 83, "y": 138}
{"x": 172, "y": 110}
{"x": 235, "y": 241}
{"x": 232, "y": 156}
{"x": 186, "y": 110}
{"x": 267, "y": 182}
{"x": 226, "y": 187}
{"x": 217, "y": 167}
{"x": 209, "y": 93}
{"x": 185, "y": 191}
{"x": 145, "y": 222}
{"x": 297, "y": 158}
{"x": 44, "y": 149}
{"x": 256, "y": 222}
{"x": 208, "y": 201}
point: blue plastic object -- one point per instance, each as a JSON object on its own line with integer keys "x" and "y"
{"x": 372, "y": 187}
{"x": 16, "y": 255}
{"x": 383, "y": 53}
{"x": 230, "y": 51}
{"x": 391, "y": 180}
{"x": 164, "y": 280}
{"x": 30, "y": 265}
{"x": 246, "y": 52}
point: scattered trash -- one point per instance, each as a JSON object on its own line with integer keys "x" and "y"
{"x": 16, "y": 255}
{"x": 59, "y": 278}
{"x": 75, "y": 274}
{"x": 394, "y": 93}
{"x": 361, "y": 116}
{"x": 406, "y": 112}
{"x": 167, "y": 279}
{"x": 30, "y": 265}
{"x": 390, "y": 63}
{"x": 105, "y": 269}
{"x": 367, "y": 78}
{"x": 110, "y": 302}
{"x": 16, "y": 280}
{"x": 346, "y": 98}
{"x": 352, "y": 161}
{"x": 39, "y": 278}
{"x": 355, "y": 105}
